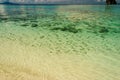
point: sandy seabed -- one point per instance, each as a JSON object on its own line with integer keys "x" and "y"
{"x": 29, "y": 54}
{"x": 59, "y": 53}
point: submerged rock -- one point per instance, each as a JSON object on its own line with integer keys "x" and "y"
{"x": 71, "y": 29}
{"x": 4, "y": 18}
{"x": 25, "y": 24}
{"x": 34, "y": 25}
{"x": 103, "y": 30}
{"x": 68, "y": 29}
{"x": 109, "y": 2}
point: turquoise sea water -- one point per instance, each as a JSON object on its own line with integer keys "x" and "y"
{"x": 100, "y": 20}
{"x": 100, "y": 23}
{"x": 77, "y": 16}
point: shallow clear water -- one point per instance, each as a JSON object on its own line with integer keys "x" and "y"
{"x": 68, "y": 42}
{"x": 77, "y": 16}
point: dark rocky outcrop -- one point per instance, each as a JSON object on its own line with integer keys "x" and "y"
{"x": 111, "y": 2}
